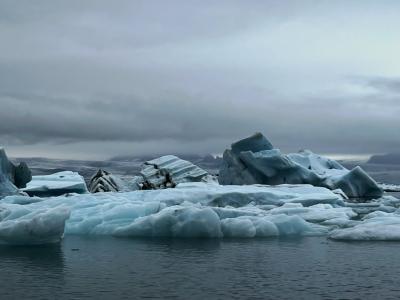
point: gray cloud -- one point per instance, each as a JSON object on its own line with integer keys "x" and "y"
{"x": 385, "y": 85}
{"x": 191, "y": 76}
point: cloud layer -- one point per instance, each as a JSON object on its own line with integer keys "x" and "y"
{"x": 95, "y": 79}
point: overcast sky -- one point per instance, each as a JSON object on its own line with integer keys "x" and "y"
{"x": 95, "y": 79}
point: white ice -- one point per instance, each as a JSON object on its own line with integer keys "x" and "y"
{"x": 197, "y": 210}
{"x": 189, "y": 210}
{"x": 22, "y": 224}
{"x": 56, "y": 184}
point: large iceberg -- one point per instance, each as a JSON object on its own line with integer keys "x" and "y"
{"x": 189, "y": 210}
{"x": 199, "y": 210}
{"x": 254, "y": 160}
{"x": 12, "y": 177}
{"x": 56, "y": 184}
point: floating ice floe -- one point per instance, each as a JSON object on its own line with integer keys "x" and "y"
{"x": 254, "y": 160}
{"x": 56, "y": 184}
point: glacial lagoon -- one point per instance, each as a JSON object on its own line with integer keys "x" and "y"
{"x": 272, "y": 268}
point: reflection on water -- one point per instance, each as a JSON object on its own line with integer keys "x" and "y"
{"x": 25, "y": 269}
{"x": 108, "y": 268}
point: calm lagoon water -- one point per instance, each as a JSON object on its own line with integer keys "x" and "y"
{"x": 109, "y": 268}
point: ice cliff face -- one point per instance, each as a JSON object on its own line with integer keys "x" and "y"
{"x": 254, "y": 160}
{"x": 12, "y": 177}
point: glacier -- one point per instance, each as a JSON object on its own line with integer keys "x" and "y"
{"x": 254, "y": 160}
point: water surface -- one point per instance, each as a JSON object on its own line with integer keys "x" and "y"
{"x": 109, "y": 268}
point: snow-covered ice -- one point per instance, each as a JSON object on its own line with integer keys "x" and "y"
{"x": 56, "y": 184}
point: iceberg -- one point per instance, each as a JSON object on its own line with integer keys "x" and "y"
{"x": 378, "y": 226}
{"x": 19, "y": 175}
{"x": 7, "y": 187}
{"x": 164, "y": 172}
{"x": 104, "y": 181}
{"x": 254, "y": 161}
{"x": 24, "y": 225}
{"x": 56, "y": 184}
{"x": 194, "y": 209}
{"x": 12, "y": 177}
{"x": 199, "y": 209}
{"x": 168, "y": 171}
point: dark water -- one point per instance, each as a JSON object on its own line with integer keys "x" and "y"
{"x": 107, "y": 268}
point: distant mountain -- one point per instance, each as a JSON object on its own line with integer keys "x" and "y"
{"x": 390, "y": 159}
